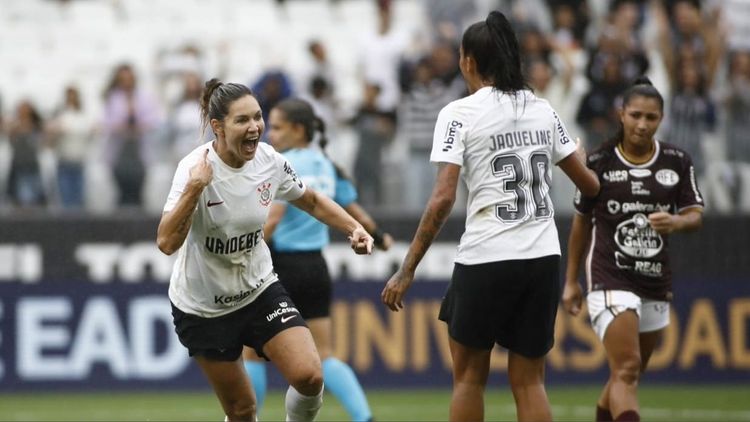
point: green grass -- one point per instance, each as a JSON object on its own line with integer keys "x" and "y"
{"x": 660, "y": 403}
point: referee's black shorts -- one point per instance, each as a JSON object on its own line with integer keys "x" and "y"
{"x": 511, "y": 303}
{"x": 305, "y": 276}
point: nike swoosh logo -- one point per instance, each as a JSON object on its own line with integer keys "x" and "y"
{"x": 211, "y": 204}
{"x": 287, "y": 318}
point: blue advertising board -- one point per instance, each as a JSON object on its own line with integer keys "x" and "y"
{"x": 61, "y": 335}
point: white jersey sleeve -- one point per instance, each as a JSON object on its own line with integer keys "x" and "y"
{"x": 562, "y": 145}
{"x": 291, "y": 186}
{"x": 448, "y": 140}
{"x": 181, "y": 177}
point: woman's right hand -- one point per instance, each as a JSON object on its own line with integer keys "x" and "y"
{"x": 202, "y": 172}
{"x": 572, "y": 297}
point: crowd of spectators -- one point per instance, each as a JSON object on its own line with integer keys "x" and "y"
{"x": 118, "y": 151}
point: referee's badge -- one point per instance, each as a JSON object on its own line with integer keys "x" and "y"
{"x": 265, "y": 193}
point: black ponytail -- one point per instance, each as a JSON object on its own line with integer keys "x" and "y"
{"x": 320, "y": 126}
{"x": 494, "y": 47}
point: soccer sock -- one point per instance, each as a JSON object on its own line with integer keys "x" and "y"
{"x": 602, "y": 414}
{"x": 257, "y": 372}
{"x": 300, "y": 408}
{"x": 342, "y": 382}
{"x": 628, "y": 416}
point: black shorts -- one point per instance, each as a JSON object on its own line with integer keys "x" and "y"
{"x": 305, "y": 276}
{"x": 222, "y": 338}
{"x": 511, "y": 303}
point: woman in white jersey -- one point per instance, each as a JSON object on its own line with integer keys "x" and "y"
{"x": 504, "y": 288}
{"x": 223, "y": 289}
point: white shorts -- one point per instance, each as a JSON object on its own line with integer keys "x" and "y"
{"x": 605, "y": 305}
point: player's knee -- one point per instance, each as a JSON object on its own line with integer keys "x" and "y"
{"x": 628, "y": 370}
{"x": 309, "y": 381}
{"x": 529, "y": 379}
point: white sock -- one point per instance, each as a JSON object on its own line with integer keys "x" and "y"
{"x": 301, "y": 408}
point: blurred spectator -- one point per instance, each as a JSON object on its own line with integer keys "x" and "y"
{"x": 434, "y": 82}
{"x": 272, "y": 86}
{"x": 570, "y": 19}
{"x": 26, "y": 135}
{"x": 448, "y": 18}
{"x": 736, "y": 100}
{"x": 691, "y": 115}
{"x": 132, "y": 120}
{"x": 597, "y": 113}
{"x": 172, "y": 68}
{"x": 527, "y": 13}
{"x": 5, "y": 158}
{"x": 321, "y": 99}
{"x": 735, "y": 24}
{"x": 319, "y": 68}
{"x": 381, "y": 56}
{"x": 534, "y": 44}
{"x": 318, "y": 86}
{"x": 376, "y": 129}
{"x": 184, "y": 123}
{"x": 687, "y": 34}
{"x": 71, "y": 134}
{"x": 620, "y": 35}
{"x": 632, "y": 62}
{"x": 582, "y": 75}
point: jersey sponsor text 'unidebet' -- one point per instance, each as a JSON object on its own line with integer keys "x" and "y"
{"x": 225, "y": 262}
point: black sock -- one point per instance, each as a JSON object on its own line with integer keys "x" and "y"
{"x": 629, "y": 416}
{"x": 603, "y": 415}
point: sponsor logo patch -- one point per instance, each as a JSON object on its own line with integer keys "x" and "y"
{"x": 667, "y": 177}
{"x": 287, "y": 318}
{"x": 636, "y": 238}
{"x": 282, "y": 311}
{"x": 640, "y": 173}
{"x": 450, "y": 134}
{"x": 615, "y": 176}
{"x": 613, "y": 206}
{"x": 637, "y": 188}
{"x": 264, "y": 191}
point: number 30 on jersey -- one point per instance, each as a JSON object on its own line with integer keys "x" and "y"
{"x": 521, "y": 179}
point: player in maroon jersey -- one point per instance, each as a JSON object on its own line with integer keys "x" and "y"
{"x": 648, "y": 190}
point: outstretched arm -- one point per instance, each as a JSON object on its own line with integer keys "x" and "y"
{"x": 434, "y": 216}
{"x": 574, "y": 165}
{"x": 578, "y": 241}
{"x": 329, "y": 212}
{"x": 383, "y": 240}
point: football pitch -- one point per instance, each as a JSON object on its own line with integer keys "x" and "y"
{"x": 658, "y": 403}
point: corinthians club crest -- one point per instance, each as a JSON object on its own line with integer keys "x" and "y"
{"x": 264, "y": 191}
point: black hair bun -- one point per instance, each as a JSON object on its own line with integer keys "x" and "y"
{"x": 642, "y": 80}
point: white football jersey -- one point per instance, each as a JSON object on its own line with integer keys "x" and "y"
{"x": 505, "y": 146}
{"x": 224, "y": 263}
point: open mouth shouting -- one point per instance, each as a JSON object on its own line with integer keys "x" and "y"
{"x": 249, "y": 145}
